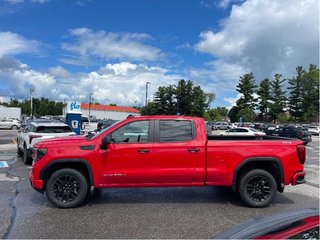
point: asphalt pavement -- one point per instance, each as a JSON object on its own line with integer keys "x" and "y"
{"x": 135, "y": 213}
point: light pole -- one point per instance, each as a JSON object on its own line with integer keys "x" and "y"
{"x": 31, "y": 107}
{"x": 90, "y": 99}
{"x": 147, "y": 83}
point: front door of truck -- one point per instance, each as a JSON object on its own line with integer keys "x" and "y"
{"x": 128, "y": 157}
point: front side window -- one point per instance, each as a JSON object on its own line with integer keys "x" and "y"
{"x": 175, "y": 131}
{"x": 134, "y": 132}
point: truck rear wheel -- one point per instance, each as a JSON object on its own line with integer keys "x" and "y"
{"x": 257, "y": 188}
{"x": 67, "y": 188}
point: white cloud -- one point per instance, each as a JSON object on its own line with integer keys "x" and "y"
{"x": 18, "y": 78}
{"x": 224, "y": 3}
{"x": 13, "y": 2}
{"x": 122, "y": 83}
{"x": 232, "y": 101}
{"x": 12, "y": 43}
{"x": 267, "y": 36}
{"x": 217, "y": 75}
{"x": 40, "y": 1}
{"x": 103, "y": 45}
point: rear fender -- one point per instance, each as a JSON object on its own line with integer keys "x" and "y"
{"x": 267, "y": 163}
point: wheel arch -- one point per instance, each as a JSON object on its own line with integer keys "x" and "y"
{"x": 269, "y": 164}
{"x": 79, "y": 164}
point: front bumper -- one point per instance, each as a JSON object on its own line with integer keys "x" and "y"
{"x": 298, "y": 178}
{"x": 37, "y": 184}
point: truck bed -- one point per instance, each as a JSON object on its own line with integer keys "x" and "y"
{"x": 239, "y": 138}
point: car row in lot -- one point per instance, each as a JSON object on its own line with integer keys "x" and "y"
{"x": 291, "y": 132}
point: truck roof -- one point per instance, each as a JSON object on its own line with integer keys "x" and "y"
{"x": 174, "y": 117}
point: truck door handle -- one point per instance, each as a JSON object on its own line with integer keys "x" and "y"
{"x": 193, "y": 150}
{"x": 143, "y": 150}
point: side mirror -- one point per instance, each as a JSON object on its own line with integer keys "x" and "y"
{"x": 105, "y": 142}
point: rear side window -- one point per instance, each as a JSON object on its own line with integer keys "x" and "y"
{"x": 53, "y": 129}
{"x": 175, "y": 131}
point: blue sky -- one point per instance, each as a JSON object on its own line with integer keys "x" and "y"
{"x": 111, "y": 48}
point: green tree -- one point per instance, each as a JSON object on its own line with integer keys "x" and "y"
{"x": 183, "y": 98}
{"x": 247, "y": 88}
{"x": 183, "y": 95}
{"x": 150, "y": 109}
{"x": 278, "y": 97}
{"x": 218, "y": 114}
{"x": 247, "y": 115}
{"x": 210, "y": 97}
{"x": 295, "y": 100}
{"x": 264, "y": 97}
{"x": 310, "y": 89}
{"x": 198, "y": 102}
{"x": 164, "y": 98}
{"x": 232, "y": 114}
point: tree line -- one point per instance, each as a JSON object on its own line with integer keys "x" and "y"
{"x": 279, "y": 100}
{"x": 41, "y": 107}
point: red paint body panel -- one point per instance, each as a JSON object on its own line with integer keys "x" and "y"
{"x": 305, "y": 225}
{"x": 166, "y": 163}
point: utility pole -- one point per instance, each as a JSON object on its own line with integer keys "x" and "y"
{"x": 147, "y": 83}
{"x": 31, "y": 100}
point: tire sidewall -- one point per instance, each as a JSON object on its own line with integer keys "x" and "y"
{"x": 26, "y": 158}
{"x": 243, "y": 185}
{"x": 83, "y": 191}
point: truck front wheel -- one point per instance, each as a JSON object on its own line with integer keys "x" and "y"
{"x": 67, "y": 188}
{"x": 257, "y": 188}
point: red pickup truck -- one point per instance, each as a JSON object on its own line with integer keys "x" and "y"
{"x": 165, "y": 151}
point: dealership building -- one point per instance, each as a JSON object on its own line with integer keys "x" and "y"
{"x": 108, "y": 112}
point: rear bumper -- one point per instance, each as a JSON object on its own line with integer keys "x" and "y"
{"x": 298, "y": 178}
{"x": 37, "y": 184}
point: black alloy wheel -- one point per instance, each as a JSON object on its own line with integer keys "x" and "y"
{"x": 257, "y": 188}
{"x": 67, "y": 188}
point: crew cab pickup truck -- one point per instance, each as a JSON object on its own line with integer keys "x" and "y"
{"x": 165, "y": 151}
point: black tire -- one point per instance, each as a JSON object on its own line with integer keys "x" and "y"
{"x": 257, "y": 188}
{"x": 67, "y": 188}
{"x": 26, "y": 157}
{"x": 14, "y": 127}
{"x": 19, "y": 152}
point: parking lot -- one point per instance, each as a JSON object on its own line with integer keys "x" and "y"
{"x": 135, "y": 213}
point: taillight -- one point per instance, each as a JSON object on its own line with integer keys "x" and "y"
{"x": 301, "y": 150}
{"x": 33, "y": 136}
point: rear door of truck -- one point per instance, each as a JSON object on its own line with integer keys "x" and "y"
{"x": 179, "y": 155}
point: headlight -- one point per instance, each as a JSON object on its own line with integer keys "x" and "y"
{"x": 38, "y": 153}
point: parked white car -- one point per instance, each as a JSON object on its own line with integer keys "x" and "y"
{"x": 36, "y": 131}
{"x": 10, "y": 124}
{"x": 314, "y": 130}
{"x": 243, "y": 131}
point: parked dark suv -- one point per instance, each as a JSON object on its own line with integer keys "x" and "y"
{"x": 292, "y": 132}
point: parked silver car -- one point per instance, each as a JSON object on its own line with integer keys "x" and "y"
{"x": 10, "y": 124}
